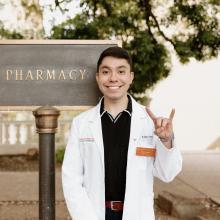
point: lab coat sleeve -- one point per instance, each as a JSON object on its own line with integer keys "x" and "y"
{"x": 168, "y": 162}
{"x": 78, "y": 203}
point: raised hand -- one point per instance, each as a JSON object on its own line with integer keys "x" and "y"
{"x": 163, "y": 127}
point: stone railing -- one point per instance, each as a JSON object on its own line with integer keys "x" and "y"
{"x": 16, "y": 137}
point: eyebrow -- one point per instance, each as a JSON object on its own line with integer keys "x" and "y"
{"x": 122, "y": 66}
{"x": 107, "y": 67}
{"x": 102, "y": 67}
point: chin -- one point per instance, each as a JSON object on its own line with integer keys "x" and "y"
{"x": 114, "y": 97}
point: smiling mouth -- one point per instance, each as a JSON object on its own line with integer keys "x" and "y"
{"x": 113, "y": 87}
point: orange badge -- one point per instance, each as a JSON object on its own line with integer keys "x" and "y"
{"x": 143, "y": 151}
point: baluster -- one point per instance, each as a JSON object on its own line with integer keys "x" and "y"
{"x": 61, "y": 133}
{"x": 29, "y": 133}
{"x": 7, "y": 133}
{"x": 18, "y": 138}
{"x": 1, "y": 129}
{"x": 34, "y": 135}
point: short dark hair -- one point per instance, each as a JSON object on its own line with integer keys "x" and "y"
{"x": 116, "y": 52}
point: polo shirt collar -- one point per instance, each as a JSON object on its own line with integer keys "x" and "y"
{"x": 128, "y": 109}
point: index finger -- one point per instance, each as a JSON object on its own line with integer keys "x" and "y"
{"x": 151, "y": 114}
{"x": 172, "y": 114}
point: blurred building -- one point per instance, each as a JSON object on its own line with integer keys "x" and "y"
{"x": 22, "y": 16}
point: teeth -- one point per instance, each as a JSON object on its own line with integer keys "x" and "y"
{"x": 113, "y": 87}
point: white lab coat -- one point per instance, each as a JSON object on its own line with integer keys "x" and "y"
{"x": 83, "y": 167}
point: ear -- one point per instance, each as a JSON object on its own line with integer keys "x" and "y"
{"x": 132, "y": 76}
{"x": 97, "y": 76}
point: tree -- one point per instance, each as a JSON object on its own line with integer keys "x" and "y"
{"x": 150, "y": 30}
{"x": 7, "y": 34}
{"x": 21, "y": 19}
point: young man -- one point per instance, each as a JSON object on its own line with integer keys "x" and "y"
{"x": 115, "y": 149}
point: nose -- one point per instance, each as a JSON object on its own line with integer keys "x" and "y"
{"x": 113, "y": 77}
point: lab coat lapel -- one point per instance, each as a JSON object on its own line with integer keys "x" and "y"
{"x": 136, "y": 124}
{"x": 96, "y": 128}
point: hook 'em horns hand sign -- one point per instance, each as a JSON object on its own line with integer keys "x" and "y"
{"x": 163, "y": 127}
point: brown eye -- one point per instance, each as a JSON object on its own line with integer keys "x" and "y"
{"x": 121, "y": 72}
{"x": 105, "y": 72}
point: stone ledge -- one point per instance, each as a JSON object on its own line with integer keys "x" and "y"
{"x": 185, "y": 208}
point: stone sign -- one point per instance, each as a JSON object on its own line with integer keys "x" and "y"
{"x": 49, "y": 72}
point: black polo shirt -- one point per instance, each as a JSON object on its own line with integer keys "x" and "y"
{"x": 116, "y": 134}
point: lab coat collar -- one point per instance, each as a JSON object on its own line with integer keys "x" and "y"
{"x": 138, "y": 114}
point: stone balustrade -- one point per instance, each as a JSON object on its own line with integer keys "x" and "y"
{"x": 16, "y": 137}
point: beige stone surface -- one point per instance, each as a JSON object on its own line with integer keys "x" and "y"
{"x": 200, "y": 178}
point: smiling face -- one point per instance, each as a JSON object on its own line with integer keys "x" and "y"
{"x": 114, "y": 78}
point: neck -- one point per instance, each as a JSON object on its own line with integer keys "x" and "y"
{"x": 114, "y": 107}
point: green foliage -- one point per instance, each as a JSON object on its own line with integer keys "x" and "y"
{"x": 146, "y": 56}
{"x": 60, "y": 155}
{"x": 204, "y": 41}
{"x": 7, "y": 34}
{"x": 66, "y": 30}
{"x": 144, "y": 32}
{"x": 26, "y": 12}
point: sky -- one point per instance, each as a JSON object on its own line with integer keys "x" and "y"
{"x": 56, "y": 17}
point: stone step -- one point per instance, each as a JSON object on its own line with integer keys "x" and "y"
{"x": 185, "y": 208}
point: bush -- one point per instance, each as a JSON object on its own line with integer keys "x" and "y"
{"x": 60, "y": 155}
